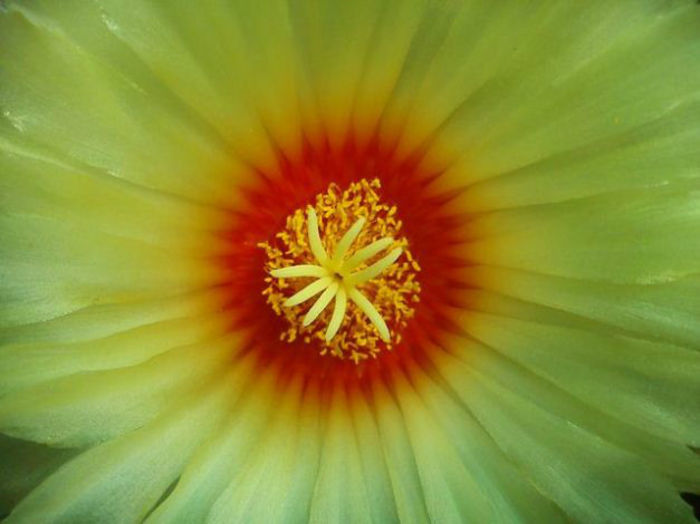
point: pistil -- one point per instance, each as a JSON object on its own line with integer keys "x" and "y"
{"x": 335, "y": 275}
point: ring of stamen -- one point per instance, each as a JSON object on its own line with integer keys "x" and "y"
{"x": 342, "y": 245}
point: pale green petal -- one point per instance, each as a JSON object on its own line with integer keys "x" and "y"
{"x": 29, "y": 364}
{"x": 50, "y": 84}
{"x": 427, "y": 25}
{"x": 376, "y": 475}
{"x": 657, "y": 153}
{"x": 275, "y": 480}
{"x": 563, "y": 86}
{"x": 109, "y": 319}
{"x": 199, "y": 63}
{"x": 121, "y": 480}
{"x": 205, "y": 57}
{"x": 510, "y": 495}
{"x": 334, "y": 40}
{"x": 24, "y": 466}
{"x": 450, "y": 492}
{"x": 549, "y": 437}
{"x": 258, "y": 39}
{"x": 402, "y": 31}
{"x": 666, "y": 310}
{"x": 650, "y": 385}
{"x": 675, "y": 459}
{"x": 645, "y": 75}
{"x": 61, "y": 413}
{"x": 37, "y": 186}
{"x": 637, "y": 237}
{"x": 51, "y": 268}
{"x": 209, "y": 471}
{"x": 398, "y": 454}
{"x": 339, "y": 497}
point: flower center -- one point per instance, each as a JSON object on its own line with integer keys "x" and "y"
{"x": 346, "y": 250}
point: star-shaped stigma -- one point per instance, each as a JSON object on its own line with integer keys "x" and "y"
{"x": 338, "y": 276}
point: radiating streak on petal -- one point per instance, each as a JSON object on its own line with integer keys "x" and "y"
{"x": 314, "y": 238}
{"x": 99, "y": 321}
{"x": 584, "y": 363}
{"x": 374, "y": 461}
{"x": 622, "y": 308}
{"x": 27, "y": 364}
{"x": 112, "y": 138}
{"x": 629, "y": 487}
{"x": 25, "y": 464}
{"x": 320, "y": 304}
{"x": 303, "y": 270}
{"x": 677, "y": 460}
{"x": 60, "y": 413}
{"x": 270, "y": 462}
{"x": 309, "y": 291}
{"x": 376, "y": 268}
{"x": 366, "y": 252}
{"x": 369, "y": 310}
{"x": 119, "y": 477}
{"x": 452, "y": 493}
{"x": 510, "y": 494}
{"x": 210, "y": 469}
{"x": 398, "y": 455}
{"x": 603, "y": 247}
{"x": 346, "y": 241}
{"x": 341, "y": 300}
{"x": 283, "y": 458}
{"x": 339, "y": 497}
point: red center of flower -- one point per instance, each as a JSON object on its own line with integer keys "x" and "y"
{"x": 430, "y": 232}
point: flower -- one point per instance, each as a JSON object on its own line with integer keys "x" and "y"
{"x": 534, "y": 352}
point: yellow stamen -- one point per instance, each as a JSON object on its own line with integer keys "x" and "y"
{"x": 369, "y": 291}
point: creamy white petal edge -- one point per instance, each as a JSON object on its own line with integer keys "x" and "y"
{"x": 573, "y": 130}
